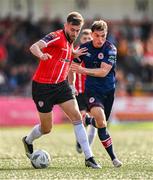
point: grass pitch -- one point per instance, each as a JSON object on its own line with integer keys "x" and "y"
{"x": 133, "y": 143}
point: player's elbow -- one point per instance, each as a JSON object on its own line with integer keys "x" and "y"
{"x": 32, "y": 48}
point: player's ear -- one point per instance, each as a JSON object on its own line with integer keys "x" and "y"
{"x": 65, "y": 25}
{"x": 92, "y": 33}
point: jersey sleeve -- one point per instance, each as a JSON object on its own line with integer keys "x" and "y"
{"x": 111, "y": 55}
{"x": 51, "y": 39}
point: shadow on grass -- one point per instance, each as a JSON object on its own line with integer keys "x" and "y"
{"x": 50, "y": 168}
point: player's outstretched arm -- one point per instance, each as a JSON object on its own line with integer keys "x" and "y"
{"x": 36, "y": 50}
{"x": 75, "y": 67}
{"x": 96, "y": 72}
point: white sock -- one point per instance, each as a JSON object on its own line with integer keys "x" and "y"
{"x": 82, "y": 138}
{"x": 92, "y": 131}
{"x": 34, "y": 134}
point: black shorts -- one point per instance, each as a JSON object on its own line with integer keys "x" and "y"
{"x": 104, "y": 101}
{"x": 81, "y": 99}
{"x": 46, "y": 96}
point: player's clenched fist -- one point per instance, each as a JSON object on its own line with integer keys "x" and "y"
{"x": 77, "y": 68}
{"x": 45, "y": 56}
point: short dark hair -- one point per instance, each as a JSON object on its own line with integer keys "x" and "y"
{"x": 99, "y": 26}
{"x": 75, "y": 18}
{"x": 86, "y": 31}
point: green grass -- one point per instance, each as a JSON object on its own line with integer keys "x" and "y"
{"x": 133, "y": 143}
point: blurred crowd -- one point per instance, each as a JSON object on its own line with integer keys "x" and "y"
{"x": 134, "y": 41}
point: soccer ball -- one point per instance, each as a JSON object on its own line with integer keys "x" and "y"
{"x": 40, "y": 159}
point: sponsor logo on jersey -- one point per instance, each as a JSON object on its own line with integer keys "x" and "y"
{"x": 88, "y": 54}
{"x": 112, "y": 52}
{"x": 100, "y": 56}
{"x": 112, "y": 59}
{"x": 65, "y": 60}
{"x": 40, "y": 103}
{"x": 91, "y": 100}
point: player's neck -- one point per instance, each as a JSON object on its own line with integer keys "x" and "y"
{"x": 67, "y": 37}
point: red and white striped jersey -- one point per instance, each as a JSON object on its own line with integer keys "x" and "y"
{"x": 56, "y": 69}
{"x": 80, "y": 82}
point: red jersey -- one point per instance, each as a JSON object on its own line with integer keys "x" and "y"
{"x": 80, "y": 82}
{"x": 56, "y": 69}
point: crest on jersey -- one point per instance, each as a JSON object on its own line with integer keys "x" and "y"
{"x": 100, "y": 56}
{"x": 40, "y": 103}
{"x": 91, "y": 100}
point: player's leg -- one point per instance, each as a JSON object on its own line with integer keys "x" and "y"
{"x": 78, "y": 147}
{"x": 91, "y": 130}
{"x": 97, "y": 106}
{"x": 44, "y": 127}
{"x": 42, "y": 98}
{"x": 82, "y": 109}
{"x": 91, "y": 133}
{"x": 70, "y": 107}
{"x": 104, "y": 135}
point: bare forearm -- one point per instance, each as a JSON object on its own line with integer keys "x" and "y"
{"x": 98, "y": 72}
{"x": 36, "y": 50}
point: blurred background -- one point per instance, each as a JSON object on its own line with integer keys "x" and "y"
{"x": 22, "y": 22}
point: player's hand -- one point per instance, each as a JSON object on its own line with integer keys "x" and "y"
{"x": 77, "y": 68}
{"x": 74, "y": 91}
{"x": 79, "y": 52}
{"x": 45, "y": 56}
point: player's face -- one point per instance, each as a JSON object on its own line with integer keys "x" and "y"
{"x": 72, "y": 31}
{"x": 99, "y": 37}
{"x": 85, "y": 38}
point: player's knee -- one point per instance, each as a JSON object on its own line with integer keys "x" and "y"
{"x": 102, "y": 124}
{"x": 76, "y": 116}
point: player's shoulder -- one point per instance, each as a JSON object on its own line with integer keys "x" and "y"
{"x": 52, "y": 37}
{"x": 110, "y": 46}
{"x": 56, "y": 34}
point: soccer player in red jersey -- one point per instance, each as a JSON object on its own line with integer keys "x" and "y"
{"x": 50, "y": 87}
{"x": 85, "y": 36}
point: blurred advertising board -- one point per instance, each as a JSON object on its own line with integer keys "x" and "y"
{"x": 21, "y": 111}
{"x": 133, "y": 109}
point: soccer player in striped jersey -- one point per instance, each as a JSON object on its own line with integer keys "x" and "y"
{"x": 100, "y": 63}
{"x": 50, "y": 87}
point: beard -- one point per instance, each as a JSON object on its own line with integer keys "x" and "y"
{"x": 71, "y": 39}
